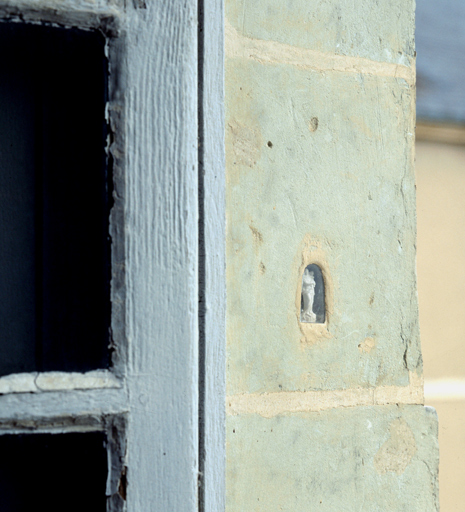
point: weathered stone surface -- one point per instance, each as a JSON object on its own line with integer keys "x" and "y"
{"x": 319, "y": 170}
{"x": 364, "y": 459}
{"x": 381, "y": 31}
{"x": 319, "y": 148}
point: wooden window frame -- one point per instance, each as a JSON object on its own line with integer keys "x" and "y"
{"x": 162, "y": 402}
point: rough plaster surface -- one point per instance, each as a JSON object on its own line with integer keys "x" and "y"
{"x": 319, "y": 169}
{"x": 340, "y": 195}
{"x": 364, "y": 459}
{"x": 382, "y": 31}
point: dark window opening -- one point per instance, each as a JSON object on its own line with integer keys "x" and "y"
{"x": 53, "y": 472}
{"x": 55, "y": 195}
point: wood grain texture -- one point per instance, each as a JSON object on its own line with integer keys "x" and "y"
{"x": 213, "y": 159}
{"x": 154, "y": 111}
{"x": 162, "y": 256}
{"x": 36, "y": 408}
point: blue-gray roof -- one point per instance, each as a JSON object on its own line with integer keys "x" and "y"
{"x": 440, "y": 46}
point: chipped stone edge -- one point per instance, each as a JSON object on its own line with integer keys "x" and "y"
{"x": 269, "y": 405}
{"x": 57, "y": 381}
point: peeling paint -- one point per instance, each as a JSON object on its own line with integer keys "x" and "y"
{"x": 397, "y": 452}
{"x": 367, "y": 345}
{"x": 246, "y": 143}
{"x": 57, "y": 381}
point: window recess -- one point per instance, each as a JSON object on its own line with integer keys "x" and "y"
{"x": 56, "y": 196}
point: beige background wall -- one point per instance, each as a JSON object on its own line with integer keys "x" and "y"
{"x": 440, "y": 174}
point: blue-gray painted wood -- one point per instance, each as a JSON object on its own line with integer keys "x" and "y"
{"x": 42, "y": 408}
{"x": 213, "y": 467}
{"x": 162, "y": 256}
{"x": 440, "y": 46}
{"x": 154, "y": 117}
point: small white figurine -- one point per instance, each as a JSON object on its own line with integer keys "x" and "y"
{"x": 308, "y": 295}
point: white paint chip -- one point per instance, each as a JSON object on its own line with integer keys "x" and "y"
{"x": 51, "y": 381}
{"x": 57, "y": 381}
{"x": 18, "y": 383}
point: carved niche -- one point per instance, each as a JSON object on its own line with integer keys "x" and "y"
{"x": 312, "y": 306}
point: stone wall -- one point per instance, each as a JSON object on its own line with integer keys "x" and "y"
{"x": 320, "y": 102}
